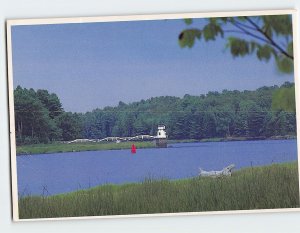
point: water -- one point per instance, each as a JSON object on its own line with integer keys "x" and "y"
{"x": 50, "y": 174}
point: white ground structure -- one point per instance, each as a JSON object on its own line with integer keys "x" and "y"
{"x": 224, "y": 172}
{"x": 161, "y": 134}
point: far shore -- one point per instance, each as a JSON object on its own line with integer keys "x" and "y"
{"x": 59, "y": 147}
{"x": 229, "y": 139}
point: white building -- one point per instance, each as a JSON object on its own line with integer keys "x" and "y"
{"x": 161, "y": 132}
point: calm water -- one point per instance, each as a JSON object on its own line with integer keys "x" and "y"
{"x": 64, "y": 172}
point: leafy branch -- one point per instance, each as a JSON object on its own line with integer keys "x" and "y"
{"x": 260, "y": 34}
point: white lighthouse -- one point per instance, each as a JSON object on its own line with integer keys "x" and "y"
{"x": 161, "y": 132}
{"x": 161, "y": 137}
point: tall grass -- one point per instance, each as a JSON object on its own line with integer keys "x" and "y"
{"x": 274, "y": 186}
{"x": 61, "y": 147}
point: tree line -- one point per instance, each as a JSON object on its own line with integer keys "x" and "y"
{"x": 40, "y": 117}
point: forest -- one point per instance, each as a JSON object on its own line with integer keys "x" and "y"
{"x": 40, "y": 117}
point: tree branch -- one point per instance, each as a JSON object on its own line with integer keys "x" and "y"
{"x": 234, "y": 31}
{"x": 245, "y": 26}
{"x": 271, "y": 41}
{"x": 249, "y": 33}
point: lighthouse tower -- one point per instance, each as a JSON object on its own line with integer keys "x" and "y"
{"x": 161, "y": 137}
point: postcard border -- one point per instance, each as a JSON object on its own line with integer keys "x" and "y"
{"x": 42, "y": 21}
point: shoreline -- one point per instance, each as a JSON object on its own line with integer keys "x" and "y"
{"x": 263, "y": 187}
{"x": 234, "y": 139}
{"x": 58, "y": 147}
{"x": 178, "y": 181}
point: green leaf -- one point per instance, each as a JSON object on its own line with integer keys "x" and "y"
{"x": 241, "y": 18}
{"x": 224, "y": 19}
{"x": 284, "y": 64}
{"x": 238, "y": 47}
{"x": 290, "y": 48}
{"x": 280, "y": 24}
{"x": 213, "y": 20}
{"x": 187, "y": 37}
{"x": 268, "y": 30}
{"x": 264, "y": 52}
{"x": 188, "y": 21}
{"x": 211, "y": 30}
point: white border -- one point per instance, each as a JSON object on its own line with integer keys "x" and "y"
{"x": 15, "y": 22}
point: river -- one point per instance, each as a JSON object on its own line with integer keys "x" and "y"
{"x": 49, "y": 174}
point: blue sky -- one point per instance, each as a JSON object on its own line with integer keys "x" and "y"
{"x": 92, "y": 65}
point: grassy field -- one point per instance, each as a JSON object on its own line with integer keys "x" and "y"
{"x": 62, "y": 147}
{"x": 269, "y": 187}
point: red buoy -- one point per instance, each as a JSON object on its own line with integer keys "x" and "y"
{"x": 133, "y": 149}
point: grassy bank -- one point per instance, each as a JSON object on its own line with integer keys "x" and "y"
{"x": 61, "y": 147}
{"x": 74, "y": 147}
{"x": 274, "y": 186}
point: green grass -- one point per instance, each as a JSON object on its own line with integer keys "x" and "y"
{"x": 268, "y": 187}
{"x": 58, "y": 147}
{"x": 62, "y": 147}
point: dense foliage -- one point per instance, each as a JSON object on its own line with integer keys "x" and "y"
{"x": 40, "y": 118}
{"x": 267, "y": 36}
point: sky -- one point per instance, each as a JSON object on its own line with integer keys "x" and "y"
{"x": 93, "y": 65}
